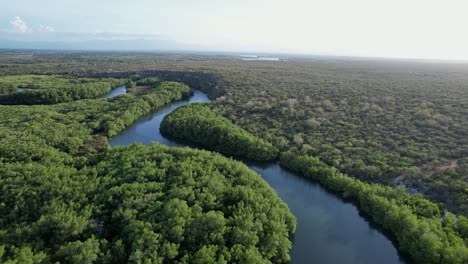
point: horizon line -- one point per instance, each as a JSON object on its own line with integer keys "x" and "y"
{"x": 296, "y": 55}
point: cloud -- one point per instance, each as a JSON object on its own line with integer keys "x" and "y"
{"x": 43, "y": 28}
{"x": 19, "y": 25}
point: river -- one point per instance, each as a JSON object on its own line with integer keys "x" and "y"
{"x": 329, "y": 230}
{"x": 116, "y": 91}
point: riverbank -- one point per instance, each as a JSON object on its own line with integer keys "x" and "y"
{"x": 328, "y": 230}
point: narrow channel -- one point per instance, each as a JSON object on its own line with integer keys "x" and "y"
{"x": 329, "y": 230}
{"x": 116, "y": 91}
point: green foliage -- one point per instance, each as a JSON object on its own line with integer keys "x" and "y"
{"x": 413, "y": 220}
{"x": 197, "y": 123}
{"x": 144, "y": 204}
{"x": 452, "y": 184}
{"x": 42, "y": 89}
{"x": 55, "y": 133}
{"x": 151, "y": 81}
{"x": 66, "y": 197}
{"x": 78, "y": 252}
{"x": 24, "y": 255}
{"x": 396, "y": 123}
{"x": 380, "y": 121}
{"x": 462, "y": 226}
{"x": 170, "y": 203}
{"x": 6, "y": 88}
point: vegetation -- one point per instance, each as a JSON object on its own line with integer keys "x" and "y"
{"x": 56, "y": 133}
{"x": 42, "y": 89}
{"x": 413, "y": 220}
{"x": 143, "y": 204}
{"x": 67, "y": 197}
{"x": 386, "y": 121}
{"x": 395, "y": 123}
{"x": 196, "y": 123}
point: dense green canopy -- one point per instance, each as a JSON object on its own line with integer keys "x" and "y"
{"x": 390, "y": 122}
{"x": 143, "y": 203}
{"x": 196, "y": 123}
{"x": 66, "y": 197}
{"x": 43, "y": 89}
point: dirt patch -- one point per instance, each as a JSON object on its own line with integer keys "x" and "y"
{"x": 435, "y": 169}
{"x": 453, "y": 165}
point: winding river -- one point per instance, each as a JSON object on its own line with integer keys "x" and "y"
{"x": 329, "y": 230}
{"x": 116, "y": 91}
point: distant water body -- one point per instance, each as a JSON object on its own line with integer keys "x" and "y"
{"x": 258, "y": 58}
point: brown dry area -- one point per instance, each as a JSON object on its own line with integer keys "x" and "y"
{"x": 402, "y": 179}
{"x": 98, "y": 142}
{"x": 453, "y": 164}
{"x": 139, "y": 89}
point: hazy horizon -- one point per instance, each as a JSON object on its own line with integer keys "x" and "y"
{"x": 363, "y": 28}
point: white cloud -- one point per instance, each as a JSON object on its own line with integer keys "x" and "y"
{"x": 43, "y": 28}
{"x": 19, "y": 25}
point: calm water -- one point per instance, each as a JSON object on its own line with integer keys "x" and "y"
{"x": 116, "y": 91}
{"x": 146, "y": 129}
{"x": 258, "y": 58}
{"x": 261, "y": 59}
{"x": 23, "y": 89}
{"x": 328, "y": 229}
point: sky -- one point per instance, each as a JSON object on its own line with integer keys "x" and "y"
{"x": 393, "y": 28}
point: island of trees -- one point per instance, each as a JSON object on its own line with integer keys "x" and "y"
{"x": 198, "y": 124}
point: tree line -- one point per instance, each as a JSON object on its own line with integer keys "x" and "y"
{"x": 414, "y": 221}
{"x": 198, "y": 124}
{"x": 53, "y": 89}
